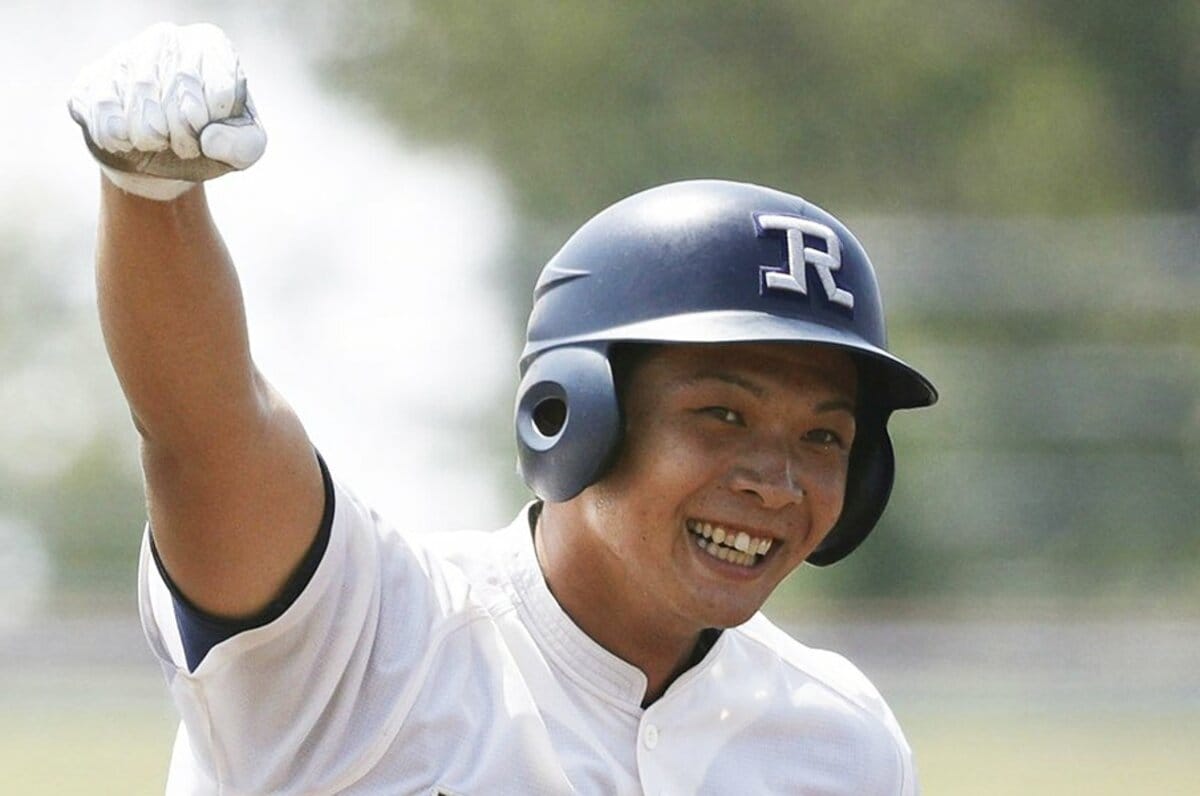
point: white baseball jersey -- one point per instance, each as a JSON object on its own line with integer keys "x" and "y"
{"x": 442, "y": 664}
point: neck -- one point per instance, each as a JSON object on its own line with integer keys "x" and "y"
{"x": 626, "y": 625}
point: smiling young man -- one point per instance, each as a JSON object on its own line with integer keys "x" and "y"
{"x": 703, "y": 408}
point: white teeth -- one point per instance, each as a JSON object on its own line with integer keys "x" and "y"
{"x": 737, "y": 547}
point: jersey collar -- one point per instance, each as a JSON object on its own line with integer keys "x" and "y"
{"x": 573, "y": 652}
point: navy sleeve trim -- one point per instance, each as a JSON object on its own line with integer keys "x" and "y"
{"x": 200, "y": 631}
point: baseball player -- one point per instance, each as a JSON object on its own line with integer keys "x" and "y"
{"x": 703, "y": 408}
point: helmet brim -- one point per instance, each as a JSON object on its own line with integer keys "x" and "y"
{"x": 894, "y": 384}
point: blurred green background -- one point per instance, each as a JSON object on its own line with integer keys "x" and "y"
{"x": 1026, "y": 177}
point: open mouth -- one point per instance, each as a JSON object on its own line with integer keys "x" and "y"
{"x": 736, "y": 547}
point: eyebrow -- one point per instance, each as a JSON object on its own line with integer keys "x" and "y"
{"x": 836, "y": 405}
{"x": 755, "y": 389}
{"x": 729, "y": 378}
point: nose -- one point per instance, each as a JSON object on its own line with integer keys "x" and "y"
{"x": 771, "y": 477}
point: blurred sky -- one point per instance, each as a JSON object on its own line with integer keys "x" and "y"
{"x": 364, "y": 264}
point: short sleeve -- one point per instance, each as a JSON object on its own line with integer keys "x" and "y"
{"x": 299, "y": 702}
{"x": 200, "y": 631}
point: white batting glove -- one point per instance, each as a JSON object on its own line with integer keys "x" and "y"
{"x": 167, "y": 109}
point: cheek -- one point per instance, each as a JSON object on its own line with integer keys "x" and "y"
{"x": 827, "y": 490}
{"x": 654, "y": 474}
{"x": 658, "y": 453}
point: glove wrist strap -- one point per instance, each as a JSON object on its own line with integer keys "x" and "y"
{"x": 157, "y": 188}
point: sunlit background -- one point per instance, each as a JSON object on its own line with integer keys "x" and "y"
{"x": 1025, "y": 175}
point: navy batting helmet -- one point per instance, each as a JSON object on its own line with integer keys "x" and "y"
{"x": 704, "y": 261}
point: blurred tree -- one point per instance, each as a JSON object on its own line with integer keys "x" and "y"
{"x": 1147, "y": 55}
{"x": 1048, "y": 107}
{"x": 68, "y": 466}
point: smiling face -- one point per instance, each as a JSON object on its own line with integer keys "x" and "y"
{"x": 732, "y": 470}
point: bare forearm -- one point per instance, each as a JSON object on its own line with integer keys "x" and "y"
{"x": 173, "y": 319}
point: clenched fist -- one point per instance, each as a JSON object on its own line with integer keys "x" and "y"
{"x": 167, "y": 109}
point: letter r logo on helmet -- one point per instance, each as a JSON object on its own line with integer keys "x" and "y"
{"x": 793, "y": 278}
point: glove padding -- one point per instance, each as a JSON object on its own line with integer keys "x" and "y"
{"x": 167, "y": 109}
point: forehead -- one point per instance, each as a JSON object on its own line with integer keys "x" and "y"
{"x": 770, "y": 367}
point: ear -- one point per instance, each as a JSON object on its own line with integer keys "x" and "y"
{"x": 568, "y": 422}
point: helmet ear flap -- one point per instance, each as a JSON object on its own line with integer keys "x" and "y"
{"x": 868, "y": 486}
{"x": 568, "y": 421}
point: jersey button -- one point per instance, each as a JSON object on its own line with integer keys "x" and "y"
{"x": 650, "y": 736}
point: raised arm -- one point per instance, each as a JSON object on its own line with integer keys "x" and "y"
{"x": 233, "y": 488}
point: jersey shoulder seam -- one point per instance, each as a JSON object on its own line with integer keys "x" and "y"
{"x": 793, "y": 653}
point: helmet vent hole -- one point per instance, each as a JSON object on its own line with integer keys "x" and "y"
{"x": 549, "y": 416}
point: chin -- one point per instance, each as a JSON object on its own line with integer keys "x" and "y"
{"x": 726, "y": 619}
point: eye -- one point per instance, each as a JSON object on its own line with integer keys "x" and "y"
{"x": 826, "y": 437}
{"x": 724, "y": 414}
